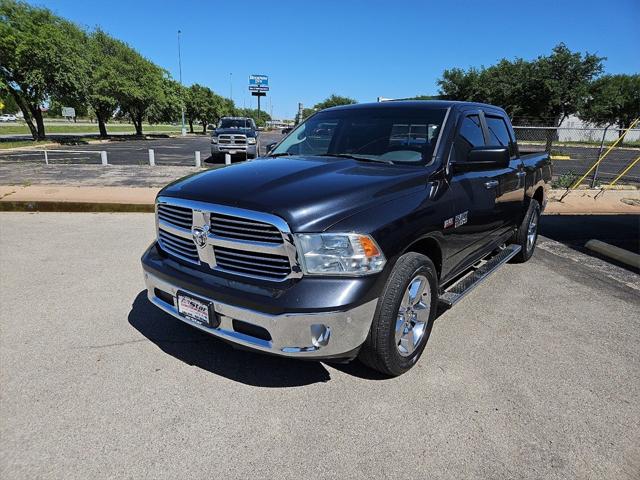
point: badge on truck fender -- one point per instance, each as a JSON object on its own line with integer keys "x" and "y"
{"x": 461, "y": 219}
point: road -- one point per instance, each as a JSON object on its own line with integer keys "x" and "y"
{"x": 168, "y": 151}
{"x": 582, "y": 158}
{"x": 180, "y": 151}
{"x": 535, "y": 375}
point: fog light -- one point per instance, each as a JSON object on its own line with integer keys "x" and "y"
{"x": 320, "y": 335}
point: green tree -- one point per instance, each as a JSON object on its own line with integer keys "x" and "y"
{"x": 107, "y": 56}
{"x": 203, "y": 105}
{"x": 56, "y": 105}
{"x": 41, "y": 56}
{"x": 197, "y": 99}
{"x": 333, "y": 101}
{"x": 559, "y": 83}
{"x": 167, "y": 107}
{"x": 140, "y": 87}
{"x": 426, "y": 97}
{"x": 214, "y": 109}
{"x": 613, "y": 100}
{"x": 306, "y": 113}
{"x": 458, "y": 84}
{"x": 507, "y": 84}
{"x": 260, "y": 119}
{"x": 548, "y": 89}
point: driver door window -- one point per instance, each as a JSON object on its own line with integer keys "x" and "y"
{"x": 469, "y": 136}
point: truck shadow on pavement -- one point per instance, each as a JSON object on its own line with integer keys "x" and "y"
{"x": 201, "y": 350}
{"x": 575, "y": 231}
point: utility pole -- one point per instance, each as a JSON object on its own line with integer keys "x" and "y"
{"x": 300, "y": 110}
{"x": 183, "y": 130}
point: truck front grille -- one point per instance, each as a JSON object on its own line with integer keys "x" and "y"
{"x": 178, "y": 246}
{"x": 179, "y": 216}
{"x": 242, "y": 229}
{"x": 252, "y": 263}
{"x": 229, "y": 139}
{"x": 239, "y": 242}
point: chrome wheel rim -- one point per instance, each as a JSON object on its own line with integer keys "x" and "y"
{"x": 413, "y": 315}
{"x": 532, "y": 231}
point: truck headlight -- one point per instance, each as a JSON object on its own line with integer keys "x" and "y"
{"x": 251, "y": 140}
{"x": 214, "y": 139}
{"x": 339, "y": 254}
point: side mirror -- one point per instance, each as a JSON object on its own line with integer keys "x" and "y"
{"x": 271, "y": 146}
{"x": 484, "y": 158}
{"x": 211, "y": 127}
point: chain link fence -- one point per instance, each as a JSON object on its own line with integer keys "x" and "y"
{"x": 574, "y": 150}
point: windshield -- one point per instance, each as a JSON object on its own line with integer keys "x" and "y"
{"x": 235, "y": 123}
{"x": 398, "y": 135}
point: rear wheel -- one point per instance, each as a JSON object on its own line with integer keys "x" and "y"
{"x": 527, "y": 234}
{"x": 404, "y": 317}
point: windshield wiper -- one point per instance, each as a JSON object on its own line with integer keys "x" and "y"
{"x": 282, "y": 154}
{"x": 355, "y": 157}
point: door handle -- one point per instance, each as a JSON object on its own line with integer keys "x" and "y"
{"x": 491, "y": 184}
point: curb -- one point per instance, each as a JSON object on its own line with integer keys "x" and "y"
{"x": 616, "y": 253}
{"x": 43, "y": 206}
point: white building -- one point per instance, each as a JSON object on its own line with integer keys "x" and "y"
{"x": 573, "y": 129}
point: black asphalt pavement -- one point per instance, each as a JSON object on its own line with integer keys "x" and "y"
{"x": 180, "y": 151}
{"x": 581, "y": 159}
{"x": 177, "y": 151}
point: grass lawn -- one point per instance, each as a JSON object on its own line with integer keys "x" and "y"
{"x": 13, "y": 129}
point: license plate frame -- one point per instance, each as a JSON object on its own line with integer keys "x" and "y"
{"x": 196, "y": 309}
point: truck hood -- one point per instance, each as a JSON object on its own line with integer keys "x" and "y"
{"x": 310, "y": 193}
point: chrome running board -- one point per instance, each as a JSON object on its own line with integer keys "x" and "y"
{"x": 456, "y": 292}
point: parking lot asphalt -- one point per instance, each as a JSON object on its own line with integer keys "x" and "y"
{"x": 170, "y": 151}
{"x": 581, "y": 158}
{"x": 536, "y": 374}
{"x": 180, "y": 151}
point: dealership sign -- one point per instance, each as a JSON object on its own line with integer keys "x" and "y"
{"x": 68, "y": 112}
{"x": 258, "y": 83}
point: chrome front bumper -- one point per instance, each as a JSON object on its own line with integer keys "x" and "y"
{"x": 226, "y": 148}
{"x": 299, "y": 335}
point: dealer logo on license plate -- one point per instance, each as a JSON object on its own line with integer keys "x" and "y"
{"x": 194, "y": 309}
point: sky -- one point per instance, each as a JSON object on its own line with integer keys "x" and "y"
{"x": 361, "y": 49}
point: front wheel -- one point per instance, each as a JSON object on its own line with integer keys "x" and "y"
{"x": 404, "y": 317}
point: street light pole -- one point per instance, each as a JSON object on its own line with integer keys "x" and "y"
{"x": 183, "y": 130}
{"x": 231, "y": 86}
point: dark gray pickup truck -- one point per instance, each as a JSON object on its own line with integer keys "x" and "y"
{"x": 235, "y": 136}
{"x": 350, "y": 235}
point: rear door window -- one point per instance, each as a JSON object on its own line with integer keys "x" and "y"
{"x": 499, "y": 133}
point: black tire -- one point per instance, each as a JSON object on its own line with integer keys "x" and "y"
{"x": 216, "y": 158}
{"x": 381, "y": 351}
{"x": 522, "y": 235}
